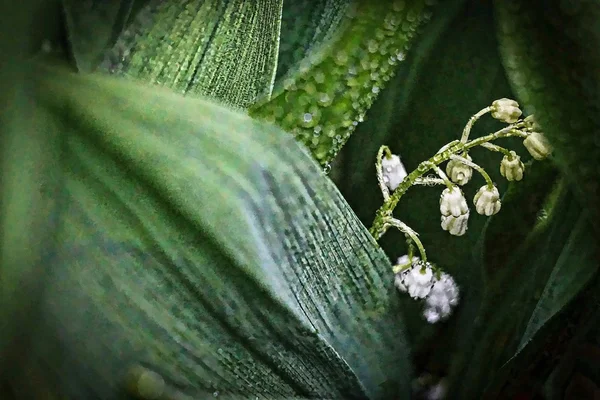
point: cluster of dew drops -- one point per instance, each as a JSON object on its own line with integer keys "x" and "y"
{"x": 323, "y": 102}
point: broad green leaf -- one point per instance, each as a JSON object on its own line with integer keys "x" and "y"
{"x": 551, "y": 52}
{"x": 222, "y": 49}
{"x": 307, "y": 24}
{"x": 207, "y": 247}
{"x": 326, "y": 96}
{"x": 540, "y": 278}
{"x": 93, "y": 26}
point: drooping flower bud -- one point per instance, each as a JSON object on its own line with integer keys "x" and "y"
{"x": 511, "y": 167}
{"x": 487, "y": 200}
{"x": 443, "y": 296}
{"x": 537, "y": 145}
{"x": 506, "y": 110}
{"x": 455, "y": 212}
{"x": 393, "y": 171}
{"x": 458, "y": 172}
{"x": 417, "y": 280}
{"x": 405, "y": 263}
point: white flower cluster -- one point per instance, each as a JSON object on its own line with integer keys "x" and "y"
{"x": 420, "y": 282}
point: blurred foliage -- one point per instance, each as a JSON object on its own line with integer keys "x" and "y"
{"x": 287, "y": 261}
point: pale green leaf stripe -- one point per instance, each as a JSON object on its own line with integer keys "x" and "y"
{"x": 574, "y": 268}
{"x": 210, "y": 248}
{"x": 307, "y": 24}
{"x": 324, "y": 100}
{"x": 92, "y": 26}
{"x": 222, "y": 49}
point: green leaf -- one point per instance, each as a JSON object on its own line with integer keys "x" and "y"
{"x": 539, "y": 280}
{"x": 93, "y": 26}
{"x": 551, "y": 52}
{"x": 207, "y": 247}
{"x": 305, "y": 25}
{"x": 222, "y": 49}
{"x": 327, "y": 95}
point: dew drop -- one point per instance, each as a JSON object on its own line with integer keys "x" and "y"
{"x": 327, "y": 168}
{"x": 317, "y": 129}
{"x": 375, "y": 89}
{"x": 307, "y": 117}
{"x": 215, "y": 393}
{"x": 400, "y": 56}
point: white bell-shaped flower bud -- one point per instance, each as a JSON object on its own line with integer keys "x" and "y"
{"x": 417, "y": 280}
{"x": 511, "y": 167}
{"x": 487, "y": 200}
{"x": 506, "y": 110}
{"x": 443, "y": 296}
{"x": 458, "y": 172}
{"x": 456, "y": 226}
{"x": 393, "y": 171}
{"x": 455, "y": 212}
{"x": 537, "y": 145}
{"x": 404, "y": 262}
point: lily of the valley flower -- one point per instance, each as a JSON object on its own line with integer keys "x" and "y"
{"x": 443, "y": 296}
{"x": 511, "y": 167}
{"x": 455, "y": 212}
{"x": 458, "y": 172}
{"x": 417, "y": 280}
{"x": 393, "y": 171}
{"x": 537, "y": 145}
{"x": 506, "y": 110}
{"x": 487, "y": 200}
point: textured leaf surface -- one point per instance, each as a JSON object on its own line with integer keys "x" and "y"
{"x": 222, "y": 49}
{"x": 538, "y": 280}
{"x": 93, "y": 26}
{"x": 323, "y": 100}
{"x": 551, "y": 52}
{"x": 209, "y": 248}
{"x": 305, "y": 25}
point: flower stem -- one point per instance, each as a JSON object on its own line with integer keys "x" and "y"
{"x": 444, "y": 154}
{"x": 471, "y": 122}
{"x": 476, "y": 167}
{"x": 496, "y": 148}
{"x": 378, "y": 166}
{"x": 407, "y": 230}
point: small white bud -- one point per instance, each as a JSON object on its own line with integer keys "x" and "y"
{"x": 511, "y": 167}
{"x": 403, "y": 262}
{"x": 393, "y": 171}
{"x": 444, "y": 295}
{"x": 506, "y": 110}
{"x": 537, "y": 145}
{"x": 455, "y": 212}
{"x": 456, "y": 226}
{"x": 431, "y": 315}
{"x": 487, "y": 200}
{"x": 452, "y": 202}
{"x": 458, "y": 172}
{"x": 417, "y": 280}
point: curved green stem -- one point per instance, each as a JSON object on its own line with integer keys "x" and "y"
{"x": 385, "y": 211}
{"x": 471, "y": 122}
{"x": 378, "y": 166}
{"x": 407, "y": 230}
{"x": 476, "y": 167}
{"x": 496, "y": 148}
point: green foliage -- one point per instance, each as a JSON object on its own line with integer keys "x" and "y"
{"x": 222, "y": 49}
{"x": 166, "y": 227}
